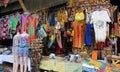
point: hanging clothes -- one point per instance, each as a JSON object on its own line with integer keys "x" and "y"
{"x": 52, "y": 19}
{"x": 5, "y": 28}
{"x": 24, "y": 21}
{"x": 78, "y": 38}
{"x": 99, "y": 19}
{"x": 14, "y": 21}
{"x": 32, "y": 26}
{"x": 88, "y": 36}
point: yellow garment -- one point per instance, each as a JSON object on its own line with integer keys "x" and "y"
{"x": 51, "y": 64}
{"x": 79, "y": 16}
{"x": 72, "y": 34}
{"x": 95, "y": 63}
{"x": 46, "y": 26}
{"x": 70, "y": 3}
{"x": 59, "y": 16}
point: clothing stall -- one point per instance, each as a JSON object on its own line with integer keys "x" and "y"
{"x": 76, "y": 36}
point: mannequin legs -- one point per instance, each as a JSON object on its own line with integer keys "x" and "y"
{"x": 23, "y": 64}
{"x": 15, "y": 64}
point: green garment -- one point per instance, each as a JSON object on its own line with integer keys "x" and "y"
{"x": 14, "y": 22}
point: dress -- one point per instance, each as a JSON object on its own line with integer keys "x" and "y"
{"x": 23, "y": 46}
{"x": 88, "y": 36}
{"x": 15, "y": 44}
{"x": 14, "y": 21}
{"x": 78, "y": 38}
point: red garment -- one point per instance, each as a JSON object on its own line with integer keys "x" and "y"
{"x": 78, "y": 38}
{"x": 32, "y": 21}
{"x": 5, "y": 29}
{"x": 57, "y": 49}
{"x": 101, "y": 45}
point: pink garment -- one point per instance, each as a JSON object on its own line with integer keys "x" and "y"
{"x": 101, "y": 70}
{"x": 5, "y": 29}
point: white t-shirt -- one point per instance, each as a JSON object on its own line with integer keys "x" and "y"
{"x": 99, "y": 20}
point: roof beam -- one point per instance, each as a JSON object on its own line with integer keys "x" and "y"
{"x": 22, "y": 5}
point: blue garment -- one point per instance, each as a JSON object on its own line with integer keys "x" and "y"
{"x": 23, "y": 46}
{"x": 52, "y": 20}
{"x": 87, "y": 69}
{"x": 88, "y": 36}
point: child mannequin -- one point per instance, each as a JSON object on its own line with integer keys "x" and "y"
{"x": 23, "y": 51}
{"x": 15, "y": 51}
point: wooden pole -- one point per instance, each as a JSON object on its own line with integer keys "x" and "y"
{"x": 22, "y": 5}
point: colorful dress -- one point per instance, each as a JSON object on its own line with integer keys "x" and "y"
{"x": 88, "y": 36}
{"x": 24, "y": 21}
{"x": 5, "y": 28}
{"x": 23, "y": 46}
{"x": 14, "y": 21}
{"x": 78, "y": 38}
{"x": 15, "y": 44}
{"x": 32, "y": 26}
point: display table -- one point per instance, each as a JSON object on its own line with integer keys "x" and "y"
{"x": 9, "y": 58}
{"x": 59, "y": 65}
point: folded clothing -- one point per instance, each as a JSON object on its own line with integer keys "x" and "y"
{"x": 95, "y": 63}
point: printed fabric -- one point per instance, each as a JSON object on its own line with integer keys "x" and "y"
{"x": 100, "y": 19}
{"x": 15, "y": 44}
{"x": 5, "y": 28}
{"x": 23, "y": 46}
{"x": 24, "y": 21}
{"x": 14, "y": 21}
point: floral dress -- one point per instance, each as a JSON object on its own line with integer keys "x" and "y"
{"x": 23, "y": 46}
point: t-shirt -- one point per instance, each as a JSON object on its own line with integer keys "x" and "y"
{"x": 99, "y": 19}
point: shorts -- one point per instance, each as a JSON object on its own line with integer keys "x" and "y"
{"x": 23, "y": 52}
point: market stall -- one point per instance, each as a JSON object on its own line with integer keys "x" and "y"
{"x": 70, "y": 36}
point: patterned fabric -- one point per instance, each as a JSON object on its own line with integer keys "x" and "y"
{"x": 24, "y": 21}
{"x": 14, "y": 21}
{"x": 1, "y": 26}
{"x": 5, "y": 28}
{"x": 23, "y": 46}
{"x": 15, "y": 44}
{"x": 32, "y": 26}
